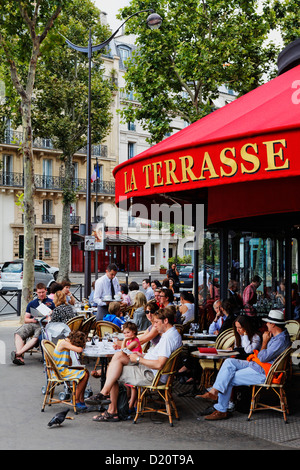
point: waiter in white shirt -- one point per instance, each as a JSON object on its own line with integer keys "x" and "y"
{"x": 106, "y": 286}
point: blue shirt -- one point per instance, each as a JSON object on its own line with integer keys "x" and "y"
{"x": 114, "y": 319}
{"x": 36, "y": 302}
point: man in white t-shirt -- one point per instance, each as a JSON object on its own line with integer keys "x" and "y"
{"x": 137, "y": 368}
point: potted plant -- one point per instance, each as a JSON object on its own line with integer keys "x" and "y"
{"x": 162, "y": 269}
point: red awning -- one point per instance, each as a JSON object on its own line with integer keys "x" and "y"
{"x": 254, "y": 140}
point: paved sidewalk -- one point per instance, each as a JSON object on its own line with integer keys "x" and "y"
{"x": 23, "y": 426}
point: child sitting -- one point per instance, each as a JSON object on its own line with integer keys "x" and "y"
{"x": 74, "y": 342}
{"x": 114, "y": 314}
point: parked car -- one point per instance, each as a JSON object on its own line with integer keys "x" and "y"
{"x": 186, "y": 276}
{"x": 52, "y": 269}
{"x": 11, "y": 275}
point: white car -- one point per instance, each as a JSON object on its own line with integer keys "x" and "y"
{"x": 11, "y": 275}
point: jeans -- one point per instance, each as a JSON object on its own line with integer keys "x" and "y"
{"x": 234, "y": 372}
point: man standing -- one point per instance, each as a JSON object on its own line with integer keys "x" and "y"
{"x": 250, "y": 296}
{"x": 31, "y": 328}
{"x": 234, "y": 298}
{"x": 149, "y": 293}
{"x": 235, "y": 372}
{"x": 173, "y": 274}
{"x": 139, "y": 369}
{"x": 107, "y": 286}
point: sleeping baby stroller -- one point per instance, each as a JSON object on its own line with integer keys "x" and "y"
{"x": 55, "y": 331}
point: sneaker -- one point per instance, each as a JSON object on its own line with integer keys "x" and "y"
{"x": 81, "y": 406}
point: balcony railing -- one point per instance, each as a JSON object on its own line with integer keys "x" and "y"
{"x": 12, "y": 137}
{"x": 16, "y": 180}
{"x": 48, "y": 219}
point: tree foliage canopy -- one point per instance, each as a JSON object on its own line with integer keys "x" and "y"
{"x": 201, "y": 45}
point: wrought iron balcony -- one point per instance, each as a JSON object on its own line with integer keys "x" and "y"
{"x": 16, "y": 180}
{"x": 12, "y": 137}
{"x": 75, "y": 220}
{"x": 48, "y": 219}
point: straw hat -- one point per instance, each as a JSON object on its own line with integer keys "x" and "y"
{"x": 275, "y": 316}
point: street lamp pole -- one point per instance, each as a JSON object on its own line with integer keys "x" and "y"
{"x": 153, "y": 21}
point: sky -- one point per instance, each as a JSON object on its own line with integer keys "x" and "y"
{"x": 111, "y": 7}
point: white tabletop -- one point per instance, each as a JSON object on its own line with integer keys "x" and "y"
{"x": 98, "y": 350}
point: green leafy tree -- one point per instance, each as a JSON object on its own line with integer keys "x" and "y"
{"x": 287, "y": 13}
{"x": 24, "y": 25}
{"x": 61, "y": 102}
{"x": 201, "y": 45}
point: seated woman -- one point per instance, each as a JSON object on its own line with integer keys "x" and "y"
{"x": 246, "y": 337}
{"x": 151, "y": 334}
{"x": 126, "y": 302}
{"x": 187, "y": 307}
{"x": 75, "y": 342}
{"x": 63, "y": 311}
{"x": 139, "y": 315}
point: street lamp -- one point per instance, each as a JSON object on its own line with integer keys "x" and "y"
{"x": 153, "y": 21}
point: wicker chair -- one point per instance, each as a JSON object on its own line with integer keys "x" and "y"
{"x": 224, "y": 340}
{"x": 279, "y": 367}
{"x": 103, "y": 327}
{"x": 75, "y": 323}
{"x": 164, "y": 390}
{"x": 293, "y": 328}
{"x": 88, "y": 325}
{"x": 54, "y": 378}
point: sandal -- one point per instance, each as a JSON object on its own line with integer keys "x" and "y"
{"x": 16, "y": 360}
{"x": 96, "y": 374}
{"x": 107, "y": 417}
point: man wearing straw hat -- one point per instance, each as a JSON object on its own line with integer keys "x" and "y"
{"x": 235, "y": 372}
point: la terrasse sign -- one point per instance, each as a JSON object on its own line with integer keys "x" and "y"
{"x": 210, "y": 165}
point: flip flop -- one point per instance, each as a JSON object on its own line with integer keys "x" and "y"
{"x": 107, "y": 417}
{"x": 16, "y": 360}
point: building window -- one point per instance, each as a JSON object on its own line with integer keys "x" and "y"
{"x": 131, "y": 126}
{"x": 153, "y": 254}
{"x": 47, "y": 217}
{"x": 47, "y": 247}
{"x": 131, "y": 150}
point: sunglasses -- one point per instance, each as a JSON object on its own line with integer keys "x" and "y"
{"x": 148, "y": 311}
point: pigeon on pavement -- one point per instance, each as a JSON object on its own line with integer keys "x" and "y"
{"x": 58, "y": 418}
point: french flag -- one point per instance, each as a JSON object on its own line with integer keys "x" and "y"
{"x": 96, "y": 173}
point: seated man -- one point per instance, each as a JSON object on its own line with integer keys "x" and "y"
{"x": 138, "y": 369}
{"x": 31, "y": 327}
{"x": 235, "y": 372}
{"x": 219, "y": 319}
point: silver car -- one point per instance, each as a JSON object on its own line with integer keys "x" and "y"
{"x": 11, "y": 276}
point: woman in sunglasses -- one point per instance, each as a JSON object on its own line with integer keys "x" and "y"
{"x": 151, "y": 334}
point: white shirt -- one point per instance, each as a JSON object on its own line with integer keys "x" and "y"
{"x": 248, "y": 345}
{"x": 168, "y": 343}
{"x": 103, "y": 287}
{"x": 189, "y": 314}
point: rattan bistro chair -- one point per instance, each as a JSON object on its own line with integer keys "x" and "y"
{"x": 164, "y": 390}
{"x": 209, "y": 367}
{"x": 54, "y": 379}
{"x": 103, "y": 327}
{"x": 293, "y": 328}
{"x": 279, "y": 372}
{"x": 88, "y": 325}
{"x": 75, "y": 323}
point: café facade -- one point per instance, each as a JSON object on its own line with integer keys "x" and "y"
{"x": 242, "y": 164}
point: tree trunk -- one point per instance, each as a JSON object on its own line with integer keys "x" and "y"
{"x": 65, "y": 234}
{"x": 29, "y": 190}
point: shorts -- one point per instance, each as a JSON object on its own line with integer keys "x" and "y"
{"x": 136, "y": 374}
{"x": 27, "y": 330}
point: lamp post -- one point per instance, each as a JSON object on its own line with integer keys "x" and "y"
{"x": 153, "y": 21}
